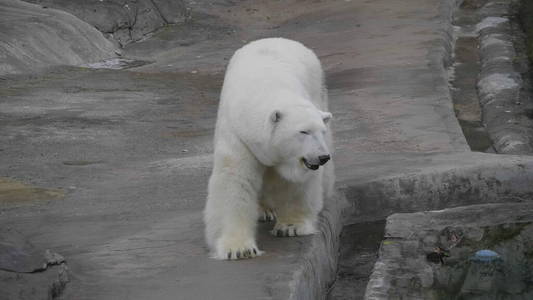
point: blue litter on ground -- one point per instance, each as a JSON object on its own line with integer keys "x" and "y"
{"x": 485, "y": 256}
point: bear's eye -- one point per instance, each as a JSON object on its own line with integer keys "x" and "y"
{"x": 304, "y": 132}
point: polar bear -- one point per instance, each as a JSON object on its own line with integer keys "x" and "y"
{"x": 272, "y": 145}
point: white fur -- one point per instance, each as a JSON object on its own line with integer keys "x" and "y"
{"x": 273, "y": 91}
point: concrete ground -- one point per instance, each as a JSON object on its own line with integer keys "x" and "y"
{"x": 109, "y": 167}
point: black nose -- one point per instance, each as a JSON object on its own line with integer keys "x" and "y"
{"x": 323, "y": 159}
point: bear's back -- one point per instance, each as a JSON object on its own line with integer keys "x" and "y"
{"x": 271, "y": 64}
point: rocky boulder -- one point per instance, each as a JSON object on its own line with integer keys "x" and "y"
{"x": 123, "y": 21}
{"x": 33, "y": 37}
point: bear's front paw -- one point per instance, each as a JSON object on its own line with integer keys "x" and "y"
{"x": 296, "y": 229}
{"x": 267, "y": 215}
{"x": 232, "y": 249}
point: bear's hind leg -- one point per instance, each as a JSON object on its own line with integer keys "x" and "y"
{"x": 266, "y": 214}
{"x": 290, "y": 228}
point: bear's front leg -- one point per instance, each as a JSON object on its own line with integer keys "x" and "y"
{"x": 236, "y": 243}
{"x": 232, "y": 210}
{"x": 297, "y": 209}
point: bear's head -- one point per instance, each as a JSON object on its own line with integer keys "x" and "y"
{"x": 299, "y": 140}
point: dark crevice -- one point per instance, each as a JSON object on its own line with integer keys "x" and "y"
{"x": 159, "y": 12}
{"x": 463, "y": 80}
{"x": 525, "y": 15}
{"x": 358, "y": 252}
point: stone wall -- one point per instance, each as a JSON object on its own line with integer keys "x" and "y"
{"x": 526, "y": 19}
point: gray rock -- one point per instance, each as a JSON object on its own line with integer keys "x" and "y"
{"x": 46, "y": 285}
{"x": 123, "y": 21}
{"x": 27, "y": 272}
{"x": 17, "y": 254}
{"x": 33, "y": 38}
{"x": 503, "y": 91}
{"x": 171, "y": 11}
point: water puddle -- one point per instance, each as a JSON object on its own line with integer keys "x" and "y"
{"x": 116, "y": 63}
{"x": 82, "y": 162}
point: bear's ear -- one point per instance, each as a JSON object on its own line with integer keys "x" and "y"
{"x": 275, "y": 116}
{"x": 326, "y": 116}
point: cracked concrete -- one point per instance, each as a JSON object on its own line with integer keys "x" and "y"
{"x": 131, "y": 148}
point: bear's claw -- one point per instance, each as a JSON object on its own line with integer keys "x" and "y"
{"x": 288, "y": 230}
{"x": 248, "y": 253}
{"x": 285, "y": 231}
{"x": 235, "y": 247}
{"x": 267, "y": 216}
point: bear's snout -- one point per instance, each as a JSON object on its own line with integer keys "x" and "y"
{"x": 323, "y": 159}
{"x": 314, "y": 164}
{"x": 310, "y": 164}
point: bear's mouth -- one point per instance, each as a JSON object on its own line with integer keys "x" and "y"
{"x": 308, "y": 165}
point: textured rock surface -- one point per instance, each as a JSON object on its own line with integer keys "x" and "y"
{"x": 18, "y": 255}
{"x": 436, "y": 181}
{"x": 490, "y": 78}
{"x": 403, "y": 270}
{"x": 123, "y": 21}
{"x": 504, "y": 92}
{"x": 32, "y": 37}
{"x": 526, "y": 20}
{"x": 27, "y": 272}
{"x": 46, "y": 285}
